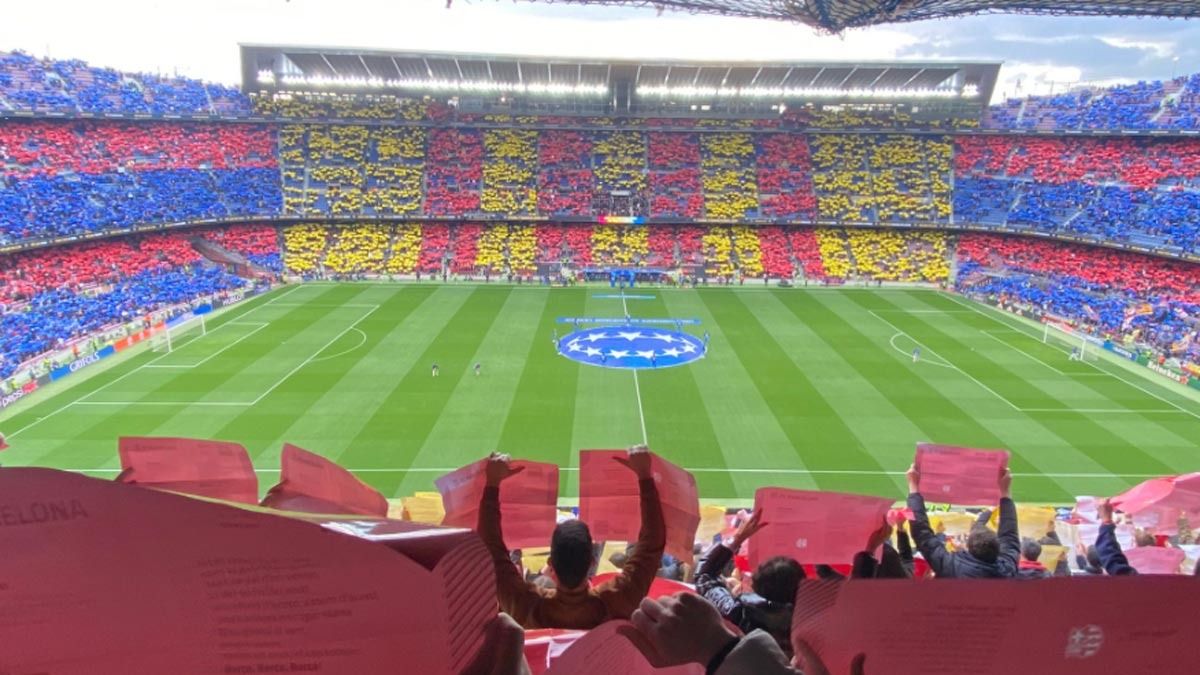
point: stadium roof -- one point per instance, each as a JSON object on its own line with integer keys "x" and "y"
{"x": 836, "y": 15}
{"x": 314, "y": 69}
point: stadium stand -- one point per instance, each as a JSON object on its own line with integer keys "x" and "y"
{"x": 1140, "y": 191}
{"x": 56, "y": 295}
{"x": 69, "y": 178}
{"x": 1094, "y": 287}
{"x": 50, "y": 85}
{"x": 1171, "y": 104}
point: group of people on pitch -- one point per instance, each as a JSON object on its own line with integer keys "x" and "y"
{"x": 696, "y": 628}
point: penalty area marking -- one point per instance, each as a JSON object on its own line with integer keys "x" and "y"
{"x": 362, "y": 340}
{"x": 987, "y": 311}
{"x": 892, "y": 342}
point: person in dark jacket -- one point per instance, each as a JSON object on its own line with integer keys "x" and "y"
{"x": 1112, "y": 558}
{"x": 769, "y": 607}
{"x": 1029, "y": 567}
{"x": 989, "y": 555}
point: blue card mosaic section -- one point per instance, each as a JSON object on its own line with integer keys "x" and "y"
{"x": 631, "y": 347}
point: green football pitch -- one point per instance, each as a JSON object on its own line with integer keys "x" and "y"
{"x": 800, "y": 388}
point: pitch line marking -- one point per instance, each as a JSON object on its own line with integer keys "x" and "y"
{"x": 1022, "y": 351}
{"x": 822, "y": 472}
{"x": 892, "y": 342}
{"x": 1098, "y": 369}
{"x": 179, "y": 403}
{"x": 991, "y": 391}
{"x": 362, "y": 341}
{"x": 39, "y": 420}
{"x": 637, "y": 387}
{"x": 258, "y": 327}
{"x": 314, "y": 355}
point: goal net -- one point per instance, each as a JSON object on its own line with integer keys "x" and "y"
{"x": 174, "y": 337}
{"x": 1068, "y": 339}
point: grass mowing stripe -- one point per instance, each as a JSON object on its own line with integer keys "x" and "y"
{"x": 93, "y": 430}
{"x": 818, "y": 434}
{"x": 1083, "y": 433}
{"x": 671, "y": 402}
{"x": 747, "y": 432}
{"x": 606, "y": 404}
{"x": 401, "y": 424}
{"x": 877, "y": 423}
{"x": 541, "y": 418}
{"x": 321, "y": 405}
{"x": 474, "y": 415}
{"x": 927, "y": 397}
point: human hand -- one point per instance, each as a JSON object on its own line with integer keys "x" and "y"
{"x": 1105, "y": 510}
{"x": 878, "y": 536}
{"x": 914, "y": 479}
{"x": 748, "y": 529}
{"x": 503, "y": 651}
{"x": 1005, "y": 483}
{"x": 681, "y": 628}
{"x": 638, "y": 461}
{"x": 499, "y": 469}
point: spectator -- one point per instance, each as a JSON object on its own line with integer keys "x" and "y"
{"x": 1112, "y": 559}
{"x": 573, "y": 603}
{"x": 683, "y": 629}
{"x": 988, "y": 555}
{"x": 1029, "y": 566}
{"x": 769, "y": 607}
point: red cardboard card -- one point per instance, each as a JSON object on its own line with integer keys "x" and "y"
{"x": 528, "y": 501}
{"x": 213, "y": 469}
{"x": 814, "y": 527}
{"x": 966, "y": 476}
{"x": 1000, "y": 627}
{"x": 311, "y": 483}
{"x": 99, "y": 577}
{"x": 613, "y": 647}
{"x": 1155, "y": 559}
{"x": 609, "y": 500}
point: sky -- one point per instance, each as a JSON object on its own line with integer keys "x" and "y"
{"x": 199, "y": 39}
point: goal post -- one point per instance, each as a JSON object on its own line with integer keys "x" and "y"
{"x": 174, "y": 336}
{"x": 1066, "y": 338}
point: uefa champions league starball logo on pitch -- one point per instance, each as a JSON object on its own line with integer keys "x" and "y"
{"x": 631, "y": 347}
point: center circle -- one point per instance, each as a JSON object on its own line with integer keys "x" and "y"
{"x": 630, "y": 347}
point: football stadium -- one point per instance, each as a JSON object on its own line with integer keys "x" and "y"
{"x": 291, "y": 350}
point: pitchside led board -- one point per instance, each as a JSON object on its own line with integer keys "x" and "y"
{"x": 103, "y": 577}
{"x": 962, "y": 476}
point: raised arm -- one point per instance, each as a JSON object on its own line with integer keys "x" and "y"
{"x": 1112, "y": 558}
{"x": 623, "y": 593}
{"x": 516, "y": 597}
{"x": 931, "y": 549}
{"x": 1007, "y": 533}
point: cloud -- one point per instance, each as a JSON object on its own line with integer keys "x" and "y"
{"x": 200, "y": 40}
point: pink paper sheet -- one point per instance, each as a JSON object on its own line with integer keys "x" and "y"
{"x": 612, "y": 649}
{"x": 1079, "y": 626}
{"x": 1155, "y": 559}
{"x": 528, "y": 501}
{"x": 205, "y": 468}
{"x": 311, "y": 483}
{"x": 954, "y": 475}
{"x": 814, "y": 527}
{"x": 99, "y": 577}
{"x": 609, "y": 503}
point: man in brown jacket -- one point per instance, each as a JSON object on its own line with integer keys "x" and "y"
{"x": 573, "y": 603}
